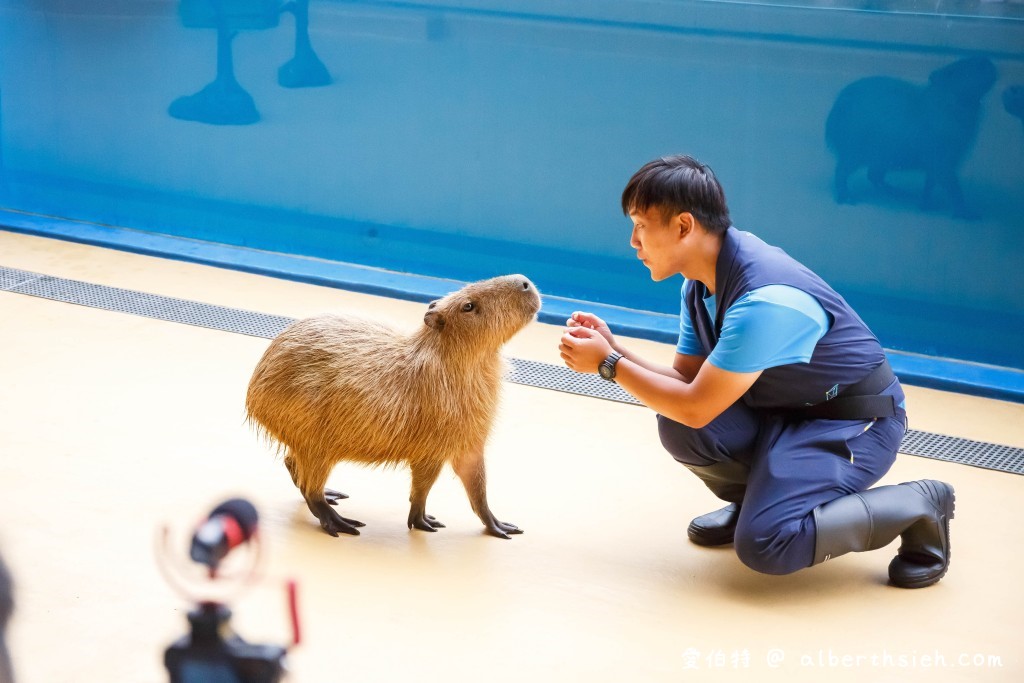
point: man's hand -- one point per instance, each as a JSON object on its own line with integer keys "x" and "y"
{"x": 592, "y": 322}
{"x": 583, "y": 348}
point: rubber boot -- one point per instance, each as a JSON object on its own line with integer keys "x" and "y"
{"x": 714, "y": 528}
{"x": 728, "y": 481}
{"x": 917, "y": 511}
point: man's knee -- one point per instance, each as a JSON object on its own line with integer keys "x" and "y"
{"x": 775, "y": 549}
{"x": 687, "y": 445}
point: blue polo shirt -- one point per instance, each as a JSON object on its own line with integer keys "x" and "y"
{"x": 766, "y": 327}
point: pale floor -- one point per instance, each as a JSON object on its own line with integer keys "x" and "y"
{"x": 112, "y": 425}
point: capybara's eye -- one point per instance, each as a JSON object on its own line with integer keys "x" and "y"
{"x": 467, "y": 307}
{"x": 432, "y": 305}
{"x": 526, "y": 284}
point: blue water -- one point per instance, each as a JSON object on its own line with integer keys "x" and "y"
{"x": 469, "y": 138}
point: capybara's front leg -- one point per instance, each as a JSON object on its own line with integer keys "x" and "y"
{"x": 310, "y": 482}
{"x": 470, "y": 469}
{"x": 840, "y": 183}
{"x": 331, "y": 521}
{"x": 423, "y": 477}
{"x": 330, "y": 495}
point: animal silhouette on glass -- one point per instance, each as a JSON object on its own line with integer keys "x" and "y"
{"x": 223, "y": 102}
{"x": 304, "y": 70}
{"x": 889, "y": 124}
{"x": 1013, "y": 101}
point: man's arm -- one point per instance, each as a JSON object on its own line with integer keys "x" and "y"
{"x": 684, "y": 367}
{"x": 693, "y": 403}
{"x": 688, "y": 366}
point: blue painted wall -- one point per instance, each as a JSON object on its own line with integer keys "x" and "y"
{"x": 469, "y": 138}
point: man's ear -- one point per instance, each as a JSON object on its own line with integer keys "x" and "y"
{"x": 684, "y": 223}
{"x": 433, "y": 319}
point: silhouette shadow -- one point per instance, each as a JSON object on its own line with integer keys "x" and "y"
{"x": 304, "y": 70}
{"x": 224, "y": 102}
{"x": 1013, "y": 101}
{"x": 887, "y": 124}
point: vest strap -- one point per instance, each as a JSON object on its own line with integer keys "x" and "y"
{"x": 858, "y": 401}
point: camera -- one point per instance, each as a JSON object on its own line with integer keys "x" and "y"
{"x": 211, "y": 652}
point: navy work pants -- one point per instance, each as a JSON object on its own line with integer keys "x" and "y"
{"x": 780, "y": 470}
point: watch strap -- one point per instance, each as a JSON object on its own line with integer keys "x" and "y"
{"x": 608, "y": 365}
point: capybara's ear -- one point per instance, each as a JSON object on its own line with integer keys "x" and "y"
{"x": 433, "y": 319}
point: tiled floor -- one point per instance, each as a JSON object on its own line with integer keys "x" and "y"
{"x": 113, "y": 425}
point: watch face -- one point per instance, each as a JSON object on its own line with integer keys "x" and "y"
{"x": 606, "y": 371}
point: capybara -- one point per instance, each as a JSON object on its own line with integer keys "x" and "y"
{"x": 888, "y": 124}
{"x": 335, "y": 388}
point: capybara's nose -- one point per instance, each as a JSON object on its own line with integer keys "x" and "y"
{"x": 522, "y": 282}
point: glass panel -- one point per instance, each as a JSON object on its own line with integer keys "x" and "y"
{"x": 881, "y": 143}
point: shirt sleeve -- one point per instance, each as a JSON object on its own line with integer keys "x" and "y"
{"x": 767, "y": 327}
{"x": 688, "y": 344}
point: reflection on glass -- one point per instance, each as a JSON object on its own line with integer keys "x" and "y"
{"x": 888, "y": 124}
{"x": 304, "y": 70}
{"x": 1013, "y": 101}
{"x": 224, "y": 101}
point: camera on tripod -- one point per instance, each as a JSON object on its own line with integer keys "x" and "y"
{"x": 211, "y": 652}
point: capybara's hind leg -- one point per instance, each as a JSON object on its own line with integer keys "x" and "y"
{"x": 423, "y": 477}
{"x": 840, "y": 183}
{"x": 946, "y": 180}
{"x": 311, "y": 485}
{"x": 876, "y": 174}
{"x": 470, "y": 469}
{"x": 330, "y": 495}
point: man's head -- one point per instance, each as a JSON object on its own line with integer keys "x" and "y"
{"x": 678, "y": 184}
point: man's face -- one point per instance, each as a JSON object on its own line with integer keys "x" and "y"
{"x": 656, "y": 240}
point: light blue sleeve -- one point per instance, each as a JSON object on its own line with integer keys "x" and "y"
{"x": 688, "y": 344}
{"x": 767, "y": 327}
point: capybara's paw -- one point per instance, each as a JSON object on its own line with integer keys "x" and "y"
{"x": 334, "y": 524}
{"x": 424, "y": 522}
{"x": 503, "y": 529}
{"x": 333, "y": 528}
{"x": 332, "y": 496}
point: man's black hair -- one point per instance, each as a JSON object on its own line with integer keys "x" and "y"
{"x": 677, "y": 184}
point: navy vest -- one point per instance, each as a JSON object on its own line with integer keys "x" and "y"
{"x": 845, "y": 355}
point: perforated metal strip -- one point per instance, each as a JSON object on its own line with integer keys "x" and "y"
{"x": 526, "y": 372}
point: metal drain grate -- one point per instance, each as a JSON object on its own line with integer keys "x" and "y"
{"x": 10, "y": 278}
{"x": 558, "y": 378}
{"x": 140, "y": 303}
{"x": 526, "y": 372}
{"x": 964, "y": 451}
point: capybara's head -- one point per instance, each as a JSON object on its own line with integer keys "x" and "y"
{"x": 484, "y": 315}
{"x": 1013, "y": 101}
{"x": 968, "y": 79}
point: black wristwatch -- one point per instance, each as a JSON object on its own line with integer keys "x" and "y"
{"x": 607, "y": 367}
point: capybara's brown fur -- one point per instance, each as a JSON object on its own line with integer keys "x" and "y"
{"x": 335, "y": 388}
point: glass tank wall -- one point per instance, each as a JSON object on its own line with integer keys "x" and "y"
{"x": 880, "y": 142}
